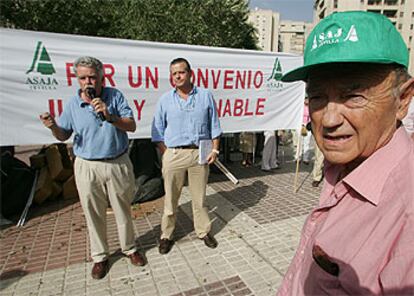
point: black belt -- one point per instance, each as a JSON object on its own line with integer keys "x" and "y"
{"x": 186, "y": 147}
{"x": 107, "y": 158}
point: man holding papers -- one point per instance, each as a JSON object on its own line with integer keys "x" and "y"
{"x": 185, "y": 116}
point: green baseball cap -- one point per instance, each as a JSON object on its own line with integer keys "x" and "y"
{"x": 351, "y": 37}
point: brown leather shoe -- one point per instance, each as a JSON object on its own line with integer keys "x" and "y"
{"x": 165, "y": 245}
{"x": 315, "y": 183}
{"x": 210, "y": 241}
{"x": 100, "y": 269}
{"x": 137, "y": 259}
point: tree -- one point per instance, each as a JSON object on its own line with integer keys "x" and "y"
{"x": 209, "y": 22}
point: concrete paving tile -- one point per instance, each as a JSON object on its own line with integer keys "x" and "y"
{"x": 74, "y": 291}
{"x": 27, "y": 293}
{"x": 75, "y": 278}
{"x": 97, "y": 293}
{"x": 123, "y": 293}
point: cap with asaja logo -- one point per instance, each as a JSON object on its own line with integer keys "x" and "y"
{"x": 351, "y": 37}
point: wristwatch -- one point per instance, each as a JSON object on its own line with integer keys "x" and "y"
{"x": 215, "y": 151}
{"x": 112, "y": 118}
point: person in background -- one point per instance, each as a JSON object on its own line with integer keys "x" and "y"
{"x": 185, "y": 116}
{"x": 100, "y": 119}
{"x": 317, "y": 170}
{"x": 247, "y": 147}
{"x": 269, "y": 156}
{"x": 303, "y": 151}
{"x": 408, "y": 121}
{"x": 359, "y": 239}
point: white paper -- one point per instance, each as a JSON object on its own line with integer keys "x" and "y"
{"x": 204, "y": 149}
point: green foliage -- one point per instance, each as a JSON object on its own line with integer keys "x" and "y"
{"x": 201, "y": 22}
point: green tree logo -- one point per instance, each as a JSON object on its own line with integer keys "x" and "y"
{"x": 41, "y": 61}
{"x": 277, "y": 71}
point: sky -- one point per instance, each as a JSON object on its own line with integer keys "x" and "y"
{"x": 294, "y": 10}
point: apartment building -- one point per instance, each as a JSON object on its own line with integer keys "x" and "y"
{"x": 277, "y": 35}
{"x": 266, "y": 23}
{"x": 400, "y": 13}
{"x": 292, "y": 36}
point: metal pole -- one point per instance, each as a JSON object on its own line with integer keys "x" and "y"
{"x": 299, "y": 153}
{"x": 29, "y": 201}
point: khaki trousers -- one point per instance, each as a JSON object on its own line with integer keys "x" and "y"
{"x": 98, "y": 181}
{"x": 317, "y": 171}
{"x": 176, "y": 164}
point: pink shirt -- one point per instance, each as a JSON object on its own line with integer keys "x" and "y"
{"x": 362, "y": 232}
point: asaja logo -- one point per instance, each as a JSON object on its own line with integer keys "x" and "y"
{"x": 333, "y": 36}
{"x": 41, "y": 71}
{"x": 274, "y": 80}
{"x": 277, "y": 71}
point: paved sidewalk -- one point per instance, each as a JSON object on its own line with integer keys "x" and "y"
{"x": 257, "y": 224}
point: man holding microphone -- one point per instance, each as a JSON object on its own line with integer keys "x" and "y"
{"x": 99, "y": 117}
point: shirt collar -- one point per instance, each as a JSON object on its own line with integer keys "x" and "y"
{"x": 193, "y": 90}
{"x": 369, "y": 178}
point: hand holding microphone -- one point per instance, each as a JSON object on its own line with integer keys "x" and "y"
{"x": 96, "y": 103}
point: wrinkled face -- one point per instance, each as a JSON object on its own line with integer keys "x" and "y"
{"x": 88, "y": 77}
{"x": 353, "y": 111}
{"x": 181, "y": 75}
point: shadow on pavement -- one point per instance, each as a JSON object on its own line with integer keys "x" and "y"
{"x": 10, "y": 277}
{"x": 184, "y": 226}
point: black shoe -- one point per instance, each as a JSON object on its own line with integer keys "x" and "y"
{"x": 165, "y": 245}
{"x": 210, "y": 241}
{"x": 315, "y": 183}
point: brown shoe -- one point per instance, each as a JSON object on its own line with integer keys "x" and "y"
{"x": 100, "y": 269}
{"x": 137, "y": 259}
{"x": 315, "y": 183}
{"x": 210, "y": 241}
{"x": 165, "y": 245}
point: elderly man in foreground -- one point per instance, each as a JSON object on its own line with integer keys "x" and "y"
{"x": 360, "y": 238}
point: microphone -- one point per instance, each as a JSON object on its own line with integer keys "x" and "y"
{"x": 91, "y": 92}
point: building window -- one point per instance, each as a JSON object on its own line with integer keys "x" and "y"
{"x": 401, "y": 13}
{"x": 374, "y": 2}
{"x": 411, "y": 26}
{"x": 391, "y": 2}
{"x": 390, "y": 13}
{"x": 335, "y": 3}
{"x": 402, "y": 1}
{"x": 399, "y": 26}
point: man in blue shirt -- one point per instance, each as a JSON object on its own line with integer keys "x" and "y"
{"x": 185, "y": 116}
{"x": 99, "y": 117}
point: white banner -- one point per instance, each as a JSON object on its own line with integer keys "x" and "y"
{"x": 36, "y": 75}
